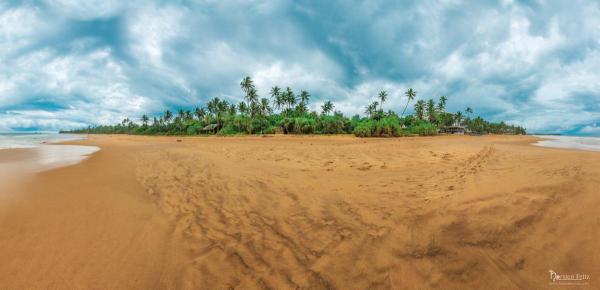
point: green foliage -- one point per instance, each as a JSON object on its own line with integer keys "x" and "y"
{"x": 481, "y": 126}
{"x": 258, "y": 126}
{"x": 446, "y": 119}
{"x": 424, "y": 129}
{"x": 386, "y": 127}
{"x": 363, "y": 129}
{"x": 332, "y": 124}
{"x": 193, "y": 129}
{"x": 299, "y": 125}
{"x": 290, "y": 115}
{"x": 229, "y": 129}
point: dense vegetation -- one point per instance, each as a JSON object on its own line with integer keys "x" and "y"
{"x": 287, "y": 113}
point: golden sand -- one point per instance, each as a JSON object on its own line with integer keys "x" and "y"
{"x": 285, "y": 212}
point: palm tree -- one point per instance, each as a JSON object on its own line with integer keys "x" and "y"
{"x": 222, "y": 106}
{"x": 200, "y": 113}
{"x": 180, "y": 115}
{"x": 280, "y": 101}
{"x": 213, "y": 105}
{"x": 265, "y": 110}
{"x": 252, "y": 96}
{"x": 327, "y": 107}
{"x": 168, "y": 116}
{"x": 218, "y": 108}
{"x": 371, "y": 109}
{"x": 303, "y": 105}
{"x": 410, "y": 94}
{"x": 420, "y": 109}
{"x": 431, "y": 110}
{"x": 254, "y": 109}
{"x": 304, "y": 96}
{"x": 145, "y": 120}
{"x": 382, "y": 98}
{"x": 232, "y": 110}
{"x": 276, "y": 96}
{"x": 469, "y": 111}
{"x": 301, "y": 108}
{"x": 242, "y": 108}
{"x": 442, "y": 104}
{"x": 275, "y": 91}
{"x": 458, "y": 117}
{"x": 247, "y": 84}
{"x": 290, "y": 97}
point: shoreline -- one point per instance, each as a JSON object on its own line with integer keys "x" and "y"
{"x": 540, "y": 142}
{"x": 43, "y": 157}
{"x": 85, "y": 225}
{"x": 9, "y": 157}
{"x": 31, "y": 153}
{"x": 304, "y": 211}
{"x": 584, "y": 143}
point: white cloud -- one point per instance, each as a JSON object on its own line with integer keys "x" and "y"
{"x": 19, "y": 28}
{"x": 86, "y": 9}
{"x": 593, "y": 129}
{"x": 152, "y": 28}
{"x": 509, "y": 61}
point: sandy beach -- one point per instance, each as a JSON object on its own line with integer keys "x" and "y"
{"x": 287, "y": 212}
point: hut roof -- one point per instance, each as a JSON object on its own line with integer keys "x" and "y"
{"x": 210, "y": 127}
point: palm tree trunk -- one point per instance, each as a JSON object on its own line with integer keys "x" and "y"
{"x": 404, "y": 109}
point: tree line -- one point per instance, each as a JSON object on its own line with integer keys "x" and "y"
{"x": 287, "y": 112}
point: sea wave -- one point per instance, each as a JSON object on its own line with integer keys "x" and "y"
{"x": 570, "y": 142}
{"x": 42, "y": 156}
{"x": 31, "y": 140}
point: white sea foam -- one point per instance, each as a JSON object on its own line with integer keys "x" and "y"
{"x": 570, "y": 142}
{"x": 30, "y": 140}
{"x": 43, "y": 156}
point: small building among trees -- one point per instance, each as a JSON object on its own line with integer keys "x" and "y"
{"x": 460, "y": 130}
{"x": 212, "y": 128}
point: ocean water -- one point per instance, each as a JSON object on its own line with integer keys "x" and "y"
{"x": 570, "y": 142}
{"x": 42, "y": 156}
{"x": 30, "y": 140}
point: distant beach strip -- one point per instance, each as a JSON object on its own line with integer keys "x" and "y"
{"x": 570, "y": 142}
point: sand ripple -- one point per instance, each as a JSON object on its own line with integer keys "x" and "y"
{"x": 347, "y": 213}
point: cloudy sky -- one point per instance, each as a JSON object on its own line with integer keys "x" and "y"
{"x": 68, "y": 63}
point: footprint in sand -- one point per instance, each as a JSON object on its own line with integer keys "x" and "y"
{"x": 365, "y": 167}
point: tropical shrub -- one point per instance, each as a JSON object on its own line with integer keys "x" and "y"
{"x": 363, "y": 129}
{"x": 305, "y": 126}
{"x": 299, "y": 125}
{"x": 258, "y": 126}
{"x": 332, "y": 125}
{"x": 388, "y": 127}
{"x": 194, "y": 129}
{"x": 229, "y": 129}
{"x": 385, "y": 127}
{"x": 424, "y": 129}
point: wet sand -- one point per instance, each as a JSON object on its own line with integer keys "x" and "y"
{"x": 451, "y": 212}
